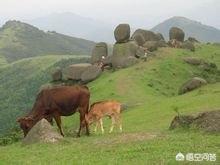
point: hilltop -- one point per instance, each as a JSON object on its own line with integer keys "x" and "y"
{"x": 20, "y": 40}
{"x": 191, "y": 28}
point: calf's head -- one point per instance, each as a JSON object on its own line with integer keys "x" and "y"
{"x": 26, "y": 123}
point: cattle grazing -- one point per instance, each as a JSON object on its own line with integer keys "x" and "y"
{"x": 56, "y": 102}
{"x": 98, "y": 110}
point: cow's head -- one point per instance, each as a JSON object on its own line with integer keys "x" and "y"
{"x": 26, "y": 123}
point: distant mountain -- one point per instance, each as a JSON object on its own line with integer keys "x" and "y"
{"x": 74, "y": 25}
{"x": 20, "y": 40}
{"x": 192, "y": 28}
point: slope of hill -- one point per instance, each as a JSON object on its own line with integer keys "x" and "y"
{"x": 20, "y": 81}
{"x": 19, "y": 40}
{"x": 191, "y": 28}
{"x": 74, "y": 25}
{"x": 150, "y": 89}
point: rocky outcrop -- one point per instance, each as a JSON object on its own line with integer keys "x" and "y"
{"x": 100, "y": 50}
{"x": 147, "y": 35}
{"x": 192, "y": 84}
{"x": 188, "y": 45}
{"x": 151, "y": 45}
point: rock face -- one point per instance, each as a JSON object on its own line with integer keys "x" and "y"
{"x": 151, "y": 45}
{"x": 176, "y": 33}
{"x": 91, "y": 73}
{"x": 147, "y": 35}
{"x": 122, "y": 33}
{"x": 192, "y": 84}
{"x": 123, "y": 61}
{"x": 42, "y": 132}
{"x": 175, "y": 43}
{"x": 100, "y": 49}
{"x": 206, "y": 121}
{"x": 57, "y": 74}
{"x": 75, "y": 71}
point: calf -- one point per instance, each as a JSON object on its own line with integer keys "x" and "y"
{"x": 98, "y": 110}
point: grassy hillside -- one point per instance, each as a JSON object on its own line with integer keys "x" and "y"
{"x": 20, "y": 40}
{"x": 191, "y": 28}
{"x": 150, "y": 89}
{"x": 21, "y": 80}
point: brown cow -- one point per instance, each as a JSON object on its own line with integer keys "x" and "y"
{"x": 98, "y": 110}
{"x": 56, "y": 102}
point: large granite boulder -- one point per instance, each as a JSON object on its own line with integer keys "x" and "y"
{"x": 151, "y": 45}
{"x": 139, "y": 38}
{"x": 122, "y": 33}
{"x": 91, "y": 73}
{"x": 148, "y": 35}
{"x": 177, "y": 34}
{"x": 75, "y": 71}
{"x": 192, "y": 39}
{"x": 160, "y": 36}
{"x": 42, "y": 132}
{"x": 122, "y": 54}
{"x": 100, "y": 49}
{"x": 57, "y": 74}
{"x": 192, "y": 84}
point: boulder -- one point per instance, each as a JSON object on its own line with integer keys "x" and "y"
{"x": 148, "y": 35}
{"x": 122, "y": 33}
{"x": 193, "y": 60}
{"x": 192, "y": 84}
{"x": 57, "y": 74}
{"x": 91, "y": 73}
{"x": 140, "y": 52}
{"x": 139, "y": 38}
{"x": 151, "y": 45}
{"x": 123, "y": 61}
{"x": 42, "y": 132}
{"x": 160, "y": 37}
{"x": 75, "y": 71}
{"x": 188, "y": 45}
{"x": 125, "y": 49}
{"x": 162, "y": 43}
{"x": 176, "y": 33}
{"x": 100, "y": 49}
{"x": 206, "y": 121}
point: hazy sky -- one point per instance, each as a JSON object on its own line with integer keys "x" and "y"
{"x": 143, "y": 13}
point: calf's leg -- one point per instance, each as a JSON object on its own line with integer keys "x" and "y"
{"x": 113, "y": 124}
{"x": 101, "y": 125}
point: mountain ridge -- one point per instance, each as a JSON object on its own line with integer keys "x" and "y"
{"x": 192, "y": 28}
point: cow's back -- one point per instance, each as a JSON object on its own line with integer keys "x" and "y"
{"x": 66, "y": 99}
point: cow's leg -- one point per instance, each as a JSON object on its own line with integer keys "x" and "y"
{"x": 83, "y": 123}
{"x": 119, "y": 122}
{"x": 58, "y": 121}
{"x": 96, "y": 126}
{"x": 113, "y": 124}
{"x": 101, "y": 125}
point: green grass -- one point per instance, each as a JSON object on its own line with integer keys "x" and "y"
{"x": 150, "y": 90}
